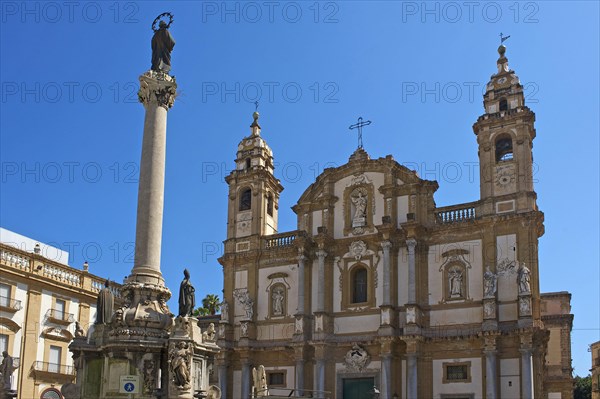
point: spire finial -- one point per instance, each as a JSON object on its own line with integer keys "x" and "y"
{"x": 502, "y": 48}
{"x": 255, "y": 126}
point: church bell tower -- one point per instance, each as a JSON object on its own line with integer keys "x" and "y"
{"x": 253, "y": 189}
{"x": 505, "y": 134}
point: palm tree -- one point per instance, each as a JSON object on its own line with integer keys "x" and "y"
{"x": 211, "y": 303}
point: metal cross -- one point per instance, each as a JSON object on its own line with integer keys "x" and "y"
{"x": 256, "y": 106}
{"x": 503, "y": 38}
{"x": 359, "y": 125}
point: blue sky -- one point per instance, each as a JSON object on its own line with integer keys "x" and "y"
{"x": 71, "y": 126}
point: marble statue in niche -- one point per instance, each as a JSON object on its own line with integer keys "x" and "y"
{"x": 277, "y": 300}
{"x": 455, "y": 282}
{"x": 359, "y": 198}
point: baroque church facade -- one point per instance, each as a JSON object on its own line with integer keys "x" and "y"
{"x": 379, "y": 289}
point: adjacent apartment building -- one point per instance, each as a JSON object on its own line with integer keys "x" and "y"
{"x": 41, "y": 299}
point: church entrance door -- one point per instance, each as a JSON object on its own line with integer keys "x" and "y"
{"x": 358, "y": 388}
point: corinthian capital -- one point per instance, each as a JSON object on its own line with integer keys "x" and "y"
{"x": 157, "y": 88}
{"x": 321, "y": 254}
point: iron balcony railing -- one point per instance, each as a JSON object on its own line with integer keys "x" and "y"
{"x": 60, "y": 315}
{"x": 10, "y": 303}
{"x": 53, "y": 368}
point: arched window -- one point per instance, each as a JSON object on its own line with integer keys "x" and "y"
{"x": 270, "y": 205}
{"x": 504, "y": 149}
{"x": 248, "y": 163}
{"x": 359, "y": 285}
{"x": 246, "y": 200}
{"x": 503, "y": 104}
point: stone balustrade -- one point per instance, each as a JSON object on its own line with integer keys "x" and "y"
{"x": 38, "y": 266}
{"x": 13, "y": 259}
{"x": 63, "y": 274}
{"x": 455, "y": 213}
{"x": 283, "y": 240}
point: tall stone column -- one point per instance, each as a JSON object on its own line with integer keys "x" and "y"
{"x": 222, "y": 370}
{"x": 157, "y": 94}
{"x": 320, "y": 377}
{"x": 526, "y": 373}
{"x": 386, "y": 376}
{"x": 299, "y": 377}
{"x": 387, "y": 273}
{"x": 411, "y": 243}
{"x": 245, "y": 379}
{"x": 491, "y": 389}
{"x": 321, "y": 254}
{"x": 411, "y": 376}
{"x": 491, "y": 367}
{"x": 301, "y": 272}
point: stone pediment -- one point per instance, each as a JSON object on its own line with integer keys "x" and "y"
{"x": 315, "y": 196}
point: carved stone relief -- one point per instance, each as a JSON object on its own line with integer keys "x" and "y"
{"x": 180, "y": 363}
{"x": 356, "y": 359}
{"x": 524, "y": 306}
{"x": 247, "y": 303}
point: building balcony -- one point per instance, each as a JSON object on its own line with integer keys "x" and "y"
{"x": 59, "y": 317}
{"x": 9, "y": 305}
{"x": 46, "y": 371}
